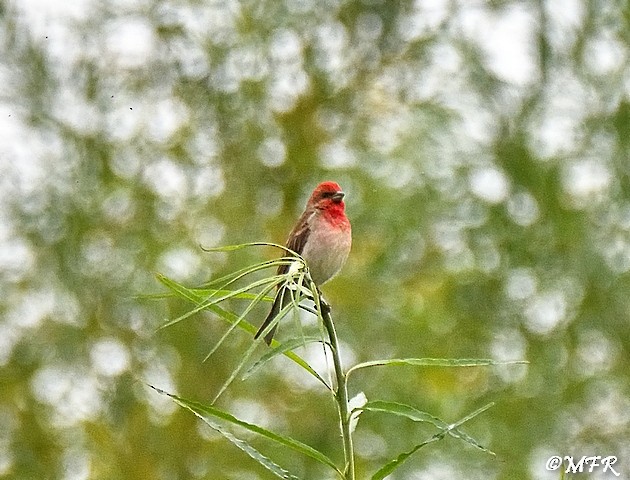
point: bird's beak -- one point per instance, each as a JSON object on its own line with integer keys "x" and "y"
{"x": 338, "y": 197}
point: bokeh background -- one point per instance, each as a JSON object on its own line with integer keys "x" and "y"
{"x": 484, "y": 147}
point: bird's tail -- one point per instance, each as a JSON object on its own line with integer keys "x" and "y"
{"x": 283, "y": 298}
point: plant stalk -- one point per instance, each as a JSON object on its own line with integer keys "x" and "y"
{"x": 341, "y": 393}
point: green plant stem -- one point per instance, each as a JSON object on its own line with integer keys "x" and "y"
{"x": 341, "y": 393}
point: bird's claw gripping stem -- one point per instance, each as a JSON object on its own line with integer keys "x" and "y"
{"x": 325, "y": 306}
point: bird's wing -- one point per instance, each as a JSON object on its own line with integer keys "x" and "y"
{"x": 298, "y": 237}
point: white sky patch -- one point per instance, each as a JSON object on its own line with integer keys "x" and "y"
{"x": 252, "y": 411}
{"x": 272, "y": 152}
{"x": 253, "y": 63}
{"x": 204, "y": 144}
{"x": 65, "y": 46}
{"x": 605, "y": 55}
{"x": 369, "y": 444}
{"x": 119, "y": 206}
{"x": 73, "y": 393}
{"x": 76, "y": 464}
{"x": 166, "y": 178}
{"x": 448, "y": 235}
{"x": 209, "y": 231}
{"x": 330, "y": 120}
{"x": 616, "y": 252}
{"x": 156, "y": 373}
{"x": 287, "y": 86}
{"x": 122, "y": 121}
{"x": 507, "y": 345}
{"x": 586, "y": 182}
{"x": 33, "y": 310}
{"x": 67, "y": 308}
{"x": 596, "y": 354}
{"x": 545, "y": 312}
{"x": 426, "y": 17}
{"x": 168, "y": 116}
{"x": 210, "y": 19}
{"x": 109, "y": 357}
{"x": 478, "y": 121}
{"x": 16, "y": 259}
{"x": 438, "y": 470}
{"x": 208, "y": 182}
{"x": 489, "y": 184}
{"x": 331, "y": 46}
{"x": 523, "y": 209}
{"x": 41, "y": 14}
{"x": 566, "y": 18}
{"x": 521, "y": 284}
{"x": 538, "y": 457}
{"x": 387, "y": 132}
{"x": 337, "y": 155}
{"x": 247, "y": 62}
{"x": 313, "y": 353}
{"x": 28, "y": 159}
{"x": 507, "y": 37}
{"x": 179, "y": 263}
{"x": 286, "y": 47}
{"x": 71, "y": 108}
{"x": 102, "y": 255}
{"x": 558, "y": 129}
{"x": 441, "y": 75}
{"x": 269, "y": 201}
{"x": 288, "y": 79}
{"x": 130, "y": 42}
{"x": 9, "y": 337}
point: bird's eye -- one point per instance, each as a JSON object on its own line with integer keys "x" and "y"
{"x": 327, "y": 194}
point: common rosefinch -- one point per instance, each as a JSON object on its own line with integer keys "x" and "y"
{"x": 322, "y": 236}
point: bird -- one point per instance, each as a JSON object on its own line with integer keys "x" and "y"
{"x": 323, "y": 237}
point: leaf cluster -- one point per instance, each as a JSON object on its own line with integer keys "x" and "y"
{"x": 209, "y": 297}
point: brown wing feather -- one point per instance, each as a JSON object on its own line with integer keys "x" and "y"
{"x": 297, "y": 238}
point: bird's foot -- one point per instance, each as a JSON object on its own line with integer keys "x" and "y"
{"x": 324, "y": 305}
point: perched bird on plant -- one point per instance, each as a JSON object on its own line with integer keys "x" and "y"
{"x": 322, "y": 236}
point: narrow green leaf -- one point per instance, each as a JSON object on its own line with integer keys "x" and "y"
{"x": 244, "y": 359}
{"x": 470, "y": 440}
{"x": 280, "y": 349}
{"x": 294, "y": 357}
{"x": 206, "y": 292}
{"x": 191, "y": 295}
{"x": 304, "y": 364}
{"x": 404, "y": 410}
{"x": 471, "y": 415}
{"x": 389, "y": 467}
{"x": 177, "y": 288}
{"x": 228, "y": 278}
{"x": 231, "y": 248}
{"x": 241, "y": 444}
{"x": 434, "y": 362}
{"x": 249, "y": 308}
{"x": 282, "y": 313}
{"x": 203, "y": 411}
{"x": 416, "y": 415}
{"x": 212, "y": 300}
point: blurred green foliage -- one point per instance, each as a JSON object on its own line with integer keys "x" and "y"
{"x": 484, "y": 150}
